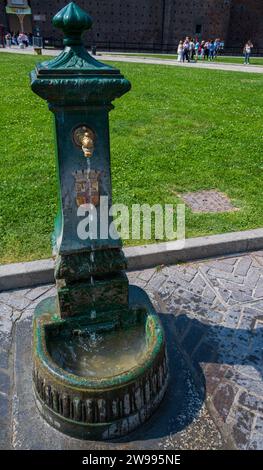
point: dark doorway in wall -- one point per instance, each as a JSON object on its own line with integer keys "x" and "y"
{"x": 198, "y": 29}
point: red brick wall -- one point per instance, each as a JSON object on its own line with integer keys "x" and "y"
{"x": 157, "y": 21}
{"x": 216, "y": 16}
{"x": 246, "y": 22}
{"x": 142, "y": 21}
{"x": 2, "y": 13}
{"x": 113, "y": 20}
{"x": 182, "y": 17}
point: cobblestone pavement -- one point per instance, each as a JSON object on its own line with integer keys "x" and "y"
{"x": 213, "y": 315}
{"x": 118, "y": 57}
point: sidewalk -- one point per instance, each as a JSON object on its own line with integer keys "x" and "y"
{"x": 212, "y": 314}
{"x": 147, "y": 60}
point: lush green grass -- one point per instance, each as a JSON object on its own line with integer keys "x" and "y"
{"x": 178, "y": 130}
{"x": 223, "y": 59}
{"x": 240, "y": 60}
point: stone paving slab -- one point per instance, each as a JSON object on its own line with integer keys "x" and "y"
{"x": 212, "y": 312}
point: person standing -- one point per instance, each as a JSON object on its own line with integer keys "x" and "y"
{"x": 206, "y": 50}
{"x": 247, "y": 52}
{"x": 197, "y": 50}
{"x": 186, "y": 46}
{"x": 202, "y": 52}
{"x": 30, "y": 39}
{"x": 211, "y": 50}
{"x": 217, "y": 46}
{"x": 25, "y": 40}
{"x": 14, "y": 39}
{"x": 180, "y": 52}
{"x": 192, "y": 49}
{"x": 8, "y": 39}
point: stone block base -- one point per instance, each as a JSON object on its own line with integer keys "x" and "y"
{"x": 80, "y": 298}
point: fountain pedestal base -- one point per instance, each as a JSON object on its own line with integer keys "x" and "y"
{"x": 102, "y": 405}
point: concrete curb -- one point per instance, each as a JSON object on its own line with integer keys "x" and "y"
{"x": 23, "y": 275}
{"x": 32, "y": 273}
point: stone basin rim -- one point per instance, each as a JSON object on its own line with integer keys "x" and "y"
{"x": 108, "y": 381}
{"x": 74, "y": 381}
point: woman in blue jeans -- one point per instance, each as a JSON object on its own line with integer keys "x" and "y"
{"x": 247, "y": 52}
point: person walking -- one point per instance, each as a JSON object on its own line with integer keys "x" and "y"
{"x": 180, "y": 52}
{"x": 247, "y": 52}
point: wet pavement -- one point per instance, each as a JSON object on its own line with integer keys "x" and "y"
{"x": 212, "y": 312}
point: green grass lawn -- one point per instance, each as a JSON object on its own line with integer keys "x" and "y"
{"x": 221, "y": 59}
{"x": 240, "y": 60}
{"x": 178, "y": 130}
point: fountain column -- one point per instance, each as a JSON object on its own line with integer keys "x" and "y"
{"x": 93, "y": 295}
{"x": 79, "y": 91}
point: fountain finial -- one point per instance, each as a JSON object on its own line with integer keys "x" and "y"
{"x": 73, "y": 21}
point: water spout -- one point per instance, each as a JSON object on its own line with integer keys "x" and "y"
{"x": 93, "y": 314}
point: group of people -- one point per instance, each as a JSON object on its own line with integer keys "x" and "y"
{"x": 17, "y": 39}
{"x": 188, "y": 50}
{"x": 191, "y": 49}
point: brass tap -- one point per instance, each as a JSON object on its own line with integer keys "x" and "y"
{"x": 88, "y": 143}
{"x": 85, "y": 138}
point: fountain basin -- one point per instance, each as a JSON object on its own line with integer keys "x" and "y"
{"x": 95, "y": 380}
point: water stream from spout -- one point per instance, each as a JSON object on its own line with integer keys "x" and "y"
{"x": 93, "y": 313}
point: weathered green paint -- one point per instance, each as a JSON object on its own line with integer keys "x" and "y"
{"x": 93, "y": 293}
{"x": 59, "y": 392}
{"x": 139, "y": 307}
{"x": 83, "y": 297}
{"x": 79, "y": 266}
{"x": 79, "y": 91}
{"x": 73, "y": 21}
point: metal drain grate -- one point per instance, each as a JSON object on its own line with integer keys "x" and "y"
{"x": 208, "y": 201}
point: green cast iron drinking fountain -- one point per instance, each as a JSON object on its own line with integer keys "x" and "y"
{"x": 99, "y": 357}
